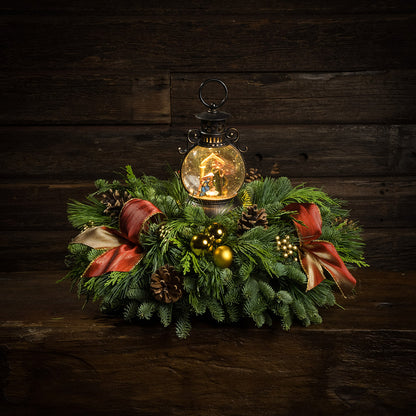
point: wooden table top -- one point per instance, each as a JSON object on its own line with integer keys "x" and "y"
{"x": 58, "y": 357}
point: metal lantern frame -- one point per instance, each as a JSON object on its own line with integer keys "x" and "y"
{"x": 213, "y": 134}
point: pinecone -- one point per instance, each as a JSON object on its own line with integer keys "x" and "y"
{"x": 114, "y": 201}
{"x": 251, "y": 218}
{"x": 166, "y": 284}
{"x": 253, "y": 174}
{"x": 346, "y": 222}
{"x": 275, "y": 169}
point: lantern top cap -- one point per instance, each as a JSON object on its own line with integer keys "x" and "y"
{"x": 213, "y": 114}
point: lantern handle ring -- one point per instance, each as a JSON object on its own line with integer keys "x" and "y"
{"x": 213, "y": 106}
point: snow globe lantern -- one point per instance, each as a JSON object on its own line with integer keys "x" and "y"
{"x": 213, "y": 169}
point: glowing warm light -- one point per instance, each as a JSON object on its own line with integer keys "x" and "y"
{"x": 213, "y": 173}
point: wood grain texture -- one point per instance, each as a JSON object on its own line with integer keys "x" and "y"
{"x": 87, "y": 152}
{"x": 44, "y": 205}
{"x": 255, "y": 98}
{"x": 268, "y": 42}
{"x": 72, "y": 98}
{"x": 69, "y": 361}
{"x": 342, "y": 97}
{"x": 214, "y": 7}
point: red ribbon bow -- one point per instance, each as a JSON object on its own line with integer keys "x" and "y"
{"x": 123, "y": 247}
{"x": 316, "y": 254}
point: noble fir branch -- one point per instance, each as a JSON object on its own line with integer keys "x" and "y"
{"x": 298, "y": 309}
{"x": 266, "y": 290}
{"x": 305, "y": 304}
{"x": 216, "y": 310}
{"x": 233, "y": 312}
{"x": 232, "y": 295}
{"x": 284, "y": 297}
{"x": 198, "y": 303}
{"x": 165, "y": 314}
{"x": 138, "y": 293}
{"x": 130, "y": 310}
{"x": 146, "y": 310}
{"x": 183, "y": 324}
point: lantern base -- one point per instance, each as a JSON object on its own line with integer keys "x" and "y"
{"x": 213, "y": 208}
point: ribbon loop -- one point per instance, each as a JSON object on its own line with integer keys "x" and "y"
{"x": 123, "y": 247}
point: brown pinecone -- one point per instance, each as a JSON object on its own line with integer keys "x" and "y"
{"x": 275, "y": 169}
{"x": 251, "y": 218}
{"x": 166, "y": 284}
{"x": 253, "y": 174}
{"x": 114, "y": 201}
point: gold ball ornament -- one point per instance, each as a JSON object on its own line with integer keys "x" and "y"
{"x": 200, "y": 244}
{"x": 216, "y": 232}
{"x": 223, "y": 257}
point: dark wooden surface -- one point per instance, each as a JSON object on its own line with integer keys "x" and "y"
{"x": 321, "y": 92}
{"x": 59, "y": 359}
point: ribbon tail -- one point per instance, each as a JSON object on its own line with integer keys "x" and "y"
{"x": 312, "y": 268}
{"x": 99, "y": 238}
{"x": 119, "y": 259}
{"x": 328, "y": 257}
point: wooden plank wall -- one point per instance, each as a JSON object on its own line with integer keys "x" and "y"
{"x": 322, "y": 93}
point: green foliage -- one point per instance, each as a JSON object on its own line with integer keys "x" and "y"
{"x": 165, "y": 314}
{"x": 90, "y": 213}
{"x": 183, "y": 325}
{"x": 260, "y": 284}
{"x": 130, "y": 310}
{"x": 146, "y": 310}
{"x": 216, "y": 310}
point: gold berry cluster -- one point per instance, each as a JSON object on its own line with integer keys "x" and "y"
{"x": 163, "y": 232}
{"x": 89, "y": 224}
{"x": 288, "y": 249}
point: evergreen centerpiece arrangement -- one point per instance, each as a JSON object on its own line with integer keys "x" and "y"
{"x": 146, "y": 250}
